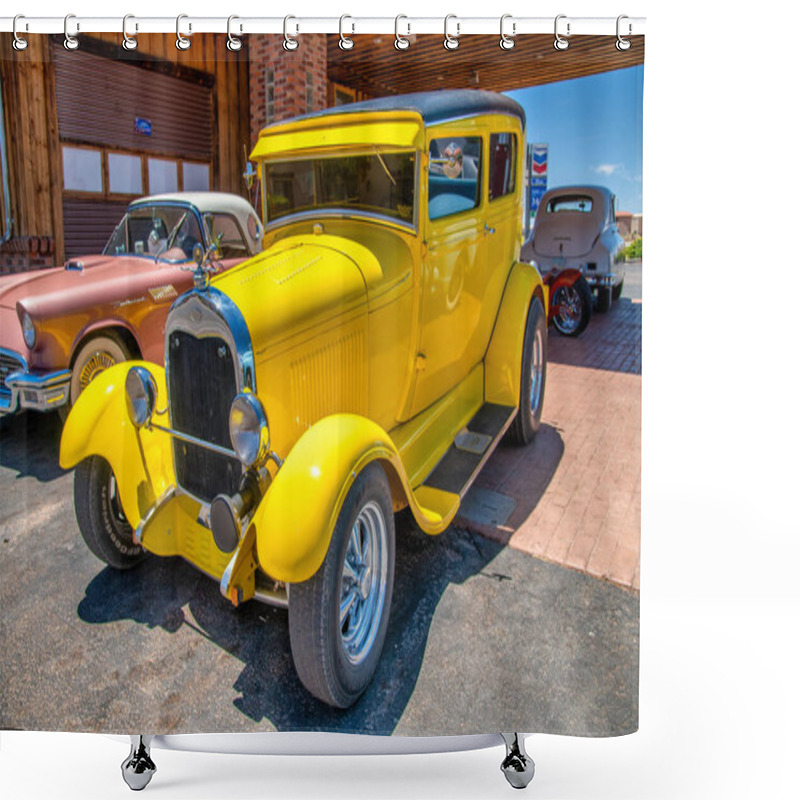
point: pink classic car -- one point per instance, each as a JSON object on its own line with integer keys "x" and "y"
{"x": 60, "y": 327}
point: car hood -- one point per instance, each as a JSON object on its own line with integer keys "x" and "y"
{"x": 301, "y": 281}
{"x": 42, "y": 282}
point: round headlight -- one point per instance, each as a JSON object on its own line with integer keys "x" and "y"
{"x": 140, "y": 396}
{"x": 28, "y": 331}
{"x": 248, "y": 429}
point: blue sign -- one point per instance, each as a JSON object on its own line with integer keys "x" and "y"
{"x": 537, "y": 193}
{"x": 143, "y": 126}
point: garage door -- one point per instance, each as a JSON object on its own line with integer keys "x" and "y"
{"x": 125, "y": 131}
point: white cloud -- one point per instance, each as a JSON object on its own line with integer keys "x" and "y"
{"x": 607, "y": 169}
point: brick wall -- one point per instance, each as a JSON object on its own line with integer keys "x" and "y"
{"x": 291, "y": 71}
{"x": 25, "y": 253}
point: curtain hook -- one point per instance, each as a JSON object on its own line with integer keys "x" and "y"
{"x": 70, "y": 42}
{"x": 182, "y": 43}
{"x": 400, "y": 42}
{"x": 290, "y": 43}
{"x": 507, "y": 42}
{"x": 623, "y": 44}
{"x": 561, "y": 43}
{"x": 233, "y": 44}
{"x": 345, "y": 42}
{"x": 129, "y": 42}
{"x": 451, "y": 42}
{"x": 19, "y": 43}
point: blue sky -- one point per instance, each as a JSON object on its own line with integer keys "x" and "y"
{"x": 593, "y": 127}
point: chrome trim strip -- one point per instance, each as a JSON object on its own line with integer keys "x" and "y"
{"x": 30, "y": 380}
{"x": 185, "y": 437}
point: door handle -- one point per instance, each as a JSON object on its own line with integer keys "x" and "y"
{"x": 487, "y": 230}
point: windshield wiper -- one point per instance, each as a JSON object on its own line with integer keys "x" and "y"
{"x": 385, "y": 168}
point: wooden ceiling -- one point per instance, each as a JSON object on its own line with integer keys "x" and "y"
{"x": 376, "y": 68}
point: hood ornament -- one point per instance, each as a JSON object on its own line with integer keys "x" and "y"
{"x": 205, "y": 268}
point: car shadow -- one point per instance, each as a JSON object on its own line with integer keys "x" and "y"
{"x": 612, "y": 341}
{"x": 29, "y": 445}
{"x": 159, "y": 592}
{"x": 511, "y": 485}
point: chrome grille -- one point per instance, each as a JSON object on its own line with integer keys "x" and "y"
{"x": 8, "y": 363}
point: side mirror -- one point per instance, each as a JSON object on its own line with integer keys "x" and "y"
{"x": 249, "y": 175}
{"x": 198, "y": 254}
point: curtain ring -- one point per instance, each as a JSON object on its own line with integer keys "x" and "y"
{"x": 290, "y": 43}
{"x": 400, "y": 42}
{"x": 233, "y": 44}
{"x": 70, "y": 42}
{"x": 451, "y": 42}
{"x": 129, "y": 42}
{"x": 623, "y": 44}
{"x": 507, "y": 42}
{"x": 182, "y": 43}
{"x": 561, "y": 43}
{"x": 345, "y": 42}
{"x": 19, "y": 43}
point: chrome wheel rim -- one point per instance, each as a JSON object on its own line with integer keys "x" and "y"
{"x": 568, "y": 302}
{"x": 363, "y": 592}
{"x": 94, "y": 366}
{"x": 537, "y": 371}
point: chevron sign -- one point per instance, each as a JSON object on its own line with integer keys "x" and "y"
{"x": 539, "y": 163}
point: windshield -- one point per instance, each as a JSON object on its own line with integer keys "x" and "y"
{"x": 575, "y": 202}
{"x": 376, "y": 182}
{"x": 168, "y": 233}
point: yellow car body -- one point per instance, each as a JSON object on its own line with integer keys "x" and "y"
{"x": 366, "y": 337}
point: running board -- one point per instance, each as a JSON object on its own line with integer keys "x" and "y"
{"x": 473, "y": 445}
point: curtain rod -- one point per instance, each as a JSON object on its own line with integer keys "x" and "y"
{"x": 347, "y": 25}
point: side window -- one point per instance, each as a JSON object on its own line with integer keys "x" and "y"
{"x": 232, "y": 244}
{"x": 502, "y": 164}
{"x": 454, "y": 175}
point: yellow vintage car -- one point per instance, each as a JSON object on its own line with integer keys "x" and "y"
{"x": 368, "y": 360}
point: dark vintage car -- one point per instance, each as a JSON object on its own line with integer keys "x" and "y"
{"x": 60, "y": 327}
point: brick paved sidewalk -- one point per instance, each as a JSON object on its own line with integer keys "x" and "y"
{"x": 574, "y": 496}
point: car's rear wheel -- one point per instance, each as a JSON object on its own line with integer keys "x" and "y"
{"x": 101, "y": 520}
{"x": 338, "y": 618}
{"x": 532, "y": 378}
{"x": 603, "y": 301}
{"x": 93, "y": 357}
{"x": 572, "y": 307}
{"x": 616, "y": 292}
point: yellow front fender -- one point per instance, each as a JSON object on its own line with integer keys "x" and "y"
{"x": 98, "y": 425}
{"x": 295, "y": 520}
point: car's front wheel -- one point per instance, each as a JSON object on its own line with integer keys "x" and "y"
{"x": 338, "y": 618}
{"x": 101, "y": 520}
{"x": 572, "y": 307}
{"x": 532, "y": 377}
{"x": 95, "y": 356}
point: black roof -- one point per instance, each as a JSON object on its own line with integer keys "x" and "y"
{"x": 434, "y": 106}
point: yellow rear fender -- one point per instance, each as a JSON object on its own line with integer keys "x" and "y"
{"x": 98, "y": 425}
{"x": 504, "y": 356}
{"x": 295, "y": 520}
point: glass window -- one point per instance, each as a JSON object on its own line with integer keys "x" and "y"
{"x": 225, "y": 231}
{"x": 168, "y": 233}
{"x": 502, "y": 164}
{"x": 83, "y": 169}
{"x": 381, "y": 183}
{"x": 454, "y": 175}
{"x": 162, "y": 175}
{"x": 573, "y": 202}
{"x": 124, "y": 174}
{"x": 196, "y": 177}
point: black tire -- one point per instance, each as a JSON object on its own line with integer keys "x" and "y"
{"x": 92, "y": 358}
{"x": 616, "y": 292}
{"x": 534, "y": 363}
{"x": 325, "y": 647}
{"x": 603, "y": 301}
{"x": 572, "y": 308}
{"x": 100, "y": 518}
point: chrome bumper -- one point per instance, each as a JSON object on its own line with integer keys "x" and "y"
{"x": 40, "y": 391}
